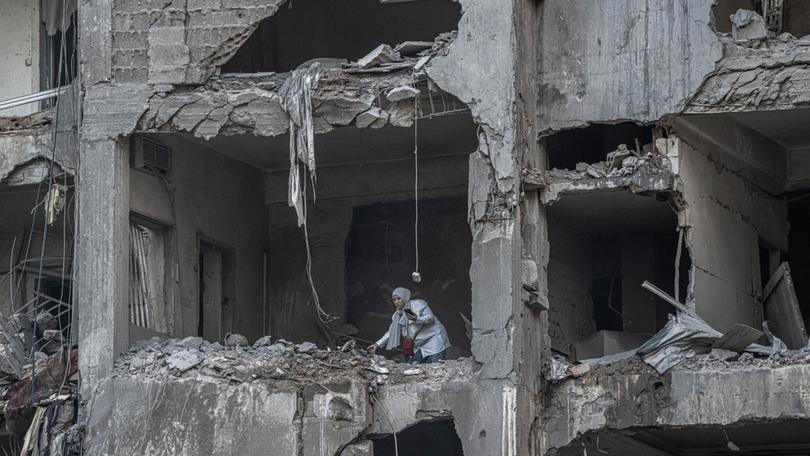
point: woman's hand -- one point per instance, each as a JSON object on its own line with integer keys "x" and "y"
{"x": 411, "y": 316}
{"x": 372, "y": 348}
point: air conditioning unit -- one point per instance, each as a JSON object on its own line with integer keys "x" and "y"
{"x": 152, "y": 157}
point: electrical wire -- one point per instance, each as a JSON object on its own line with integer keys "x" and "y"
{"x": 416, "y": 276}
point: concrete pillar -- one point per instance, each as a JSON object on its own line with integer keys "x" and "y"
{"x": 102, "y": 253}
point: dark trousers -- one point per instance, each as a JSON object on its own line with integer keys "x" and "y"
{"x": 417, "y": 357}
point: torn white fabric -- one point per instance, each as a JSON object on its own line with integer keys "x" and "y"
{"x": 53, "y": 17}
{"x": 296, "y": 100}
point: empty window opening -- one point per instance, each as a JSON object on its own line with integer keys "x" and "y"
{"x": 147, "y": 280}
{"x": 591, "y": 144}
{"x": 603, "y": 246}
{"x": 380, "y": 255}
{"x": 301, "y": 31}
{"x": 59, "y": 63}
{"x": 436, "y": 438}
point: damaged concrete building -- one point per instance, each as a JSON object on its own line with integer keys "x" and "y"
{"x": 206, "y": 205}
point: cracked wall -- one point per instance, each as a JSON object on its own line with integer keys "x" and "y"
{"x": 726, "y": 216}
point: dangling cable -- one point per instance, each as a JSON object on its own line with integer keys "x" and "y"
{"x": 415, "y": 275}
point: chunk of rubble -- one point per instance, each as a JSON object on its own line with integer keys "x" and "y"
{"x": 374, "y": 118}
{"x": 747, "y": 25}
{"x": 236, "y": 340}
{"x": 305, "y": 348}
{"x": 412, "y": 48}
{"x": 403, "y": 92}
{"x": 381, "y": 54}
{"x": 264, "y": 341}
{"x": 184, "y": 360}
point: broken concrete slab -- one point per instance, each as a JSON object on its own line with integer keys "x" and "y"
{"x": 633, "y": 395}
{"x": 305, "y": 347}
{"x": 379, "y": 55}
{"x": 374, "y": 118}
{"x": 412, "y": 48}
{"x": 782, "y": 308}
{"x": 403, "y": 92}
{"x": 748, "y": 25}
{"x": 184, "y": 360}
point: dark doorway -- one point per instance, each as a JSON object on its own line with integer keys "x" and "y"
{"x": 215, "y": 291}
{"x": 437, "y": 438}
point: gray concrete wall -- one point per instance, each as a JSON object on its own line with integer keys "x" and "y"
{"x": 726, "y": 215}
{"x": 222, "y": 200}
{"x": 569, "y": 286}
{"x": 291, "y": 311}
{"x": 628, "y": 59}
{"x": 19, "y": 60}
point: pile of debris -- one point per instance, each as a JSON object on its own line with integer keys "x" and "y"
{"x": 408, "y": 54}
{"x": 39, "y": 383}
{"x": 281, "y": 361}
{"x": 618, "y": 163}
{"x": 686, "y": 337}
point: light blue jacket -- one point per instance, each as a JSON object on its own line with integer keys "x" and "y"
{"x": 428, "y": 332}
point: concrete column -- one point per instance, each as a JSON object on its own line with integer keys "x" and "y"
{"x": 102, "y": 253}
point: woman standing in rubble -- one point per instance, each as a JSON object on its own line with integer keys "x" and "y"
{"x": 424, "y": 339}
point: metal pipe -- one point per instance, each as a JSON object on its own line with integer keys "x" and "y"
{"x": 32, "y": 97}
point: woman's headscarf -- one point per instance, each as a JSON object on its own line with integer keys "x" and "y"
{"x": 393, "y": 330}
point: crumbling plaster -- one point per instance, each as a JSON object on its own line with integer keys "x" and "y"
{"x": 622, "y": 398}
{"x": 773, "y": 77}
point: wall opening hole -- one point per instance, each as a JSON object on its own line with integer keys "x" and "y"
{"x": 339, "y": 29}
{"x": 591, "y": 144}
{"x": 436, "y": 438}
{"x": 603, "y": 246}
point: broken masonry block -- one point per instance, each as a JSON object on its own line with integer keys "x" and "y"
{"x": 235, "y": 340}
{"x": 264, "y": 341}
{"x": 412, "y": 48}
{"x": 374, "y": 118}
{"x": 305, "y": 347}
{"x": 578, "y": 370}
{"x": 381, "y": 54}
{"x": 747, "y": 25}
{"x": 403, "y": 92}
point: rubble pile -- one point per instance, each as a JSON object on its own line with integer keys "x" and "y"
{"x": 408, "y": 54}
{"x": 619, "y": 163}
{"x": 276, "y": 361}
{"x": 39, "y": 385}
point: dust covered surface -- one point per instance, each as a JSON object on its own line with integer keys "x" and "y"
{"x": 281, "y": 361}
